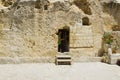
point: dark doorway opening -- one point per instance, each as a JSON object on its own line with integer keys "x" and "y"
{"x": 63, "y": 40}
{"x": 118, "y": 62}
{"x": 45, "y": 7}
{"x": 85, "y": 21}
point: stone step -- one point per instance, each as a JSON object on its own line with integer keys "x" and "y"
{"x": 63, "y": 58}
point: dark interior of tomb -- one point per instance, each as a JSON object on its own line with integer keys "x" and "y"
{"x": 63, "y": 36}
{"x": 45, "y": 7}
{"x": 118, "y": 62}
{"x": 85, "y": 21}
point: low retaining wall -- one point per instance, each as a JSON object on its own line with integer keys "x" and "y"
{"x": 113, "y": 58}
{"x": 19, "y": 60}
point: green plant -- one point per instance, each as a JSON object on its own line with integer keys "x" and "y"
{"x": 108, "y": 37}
{"x": 115, "y": 46}
{"x": 105, "y": 58}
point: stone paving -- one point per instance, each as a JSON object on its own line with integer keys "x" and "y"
{"x": 50, "y": 71}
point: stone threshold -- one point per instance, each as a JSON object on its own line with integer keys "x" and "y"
{"x": 87, "y": 59}
{"x": 19, "y": 60}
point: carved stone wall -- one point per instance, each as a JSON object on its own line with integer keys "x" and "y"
{"x": 81, "y": 36}
{"x": 28, "y": 30}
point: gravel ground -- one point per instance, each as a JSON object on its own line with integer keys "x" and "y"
{"x": 49, "y": 71}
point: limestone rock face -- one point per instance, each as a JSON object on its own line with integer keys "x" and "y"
{"x": 84, "y": 5}
{"x": 116, "y": 43}
{"x": 113, "y": 9}
{"x": 7, "y": 3}
{"x": 29, "y": 28}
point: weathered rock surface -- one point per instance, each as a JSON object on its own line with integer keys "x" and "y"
{"x": 28, "y": 27}
{"x": 116, "y": 43}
